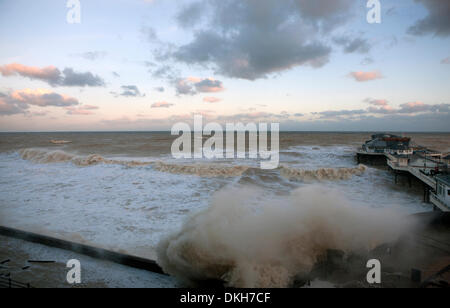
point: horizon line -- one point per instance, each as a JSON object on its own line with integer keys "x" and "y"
{"x": 169, "y": 131}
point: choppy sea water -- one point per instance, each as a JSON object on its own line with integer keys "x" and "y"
{"x": 125, "y": 192}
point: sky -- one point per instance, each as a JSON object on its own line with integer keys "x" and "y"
{"x": 144, "y": 65}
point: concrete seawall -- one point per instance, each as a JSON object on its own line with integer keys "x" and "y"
{"x": 94, "y": 252}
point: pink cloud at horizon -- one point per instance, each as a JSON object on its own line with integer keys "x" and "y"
{"x": 211, "y": 99}
{"x": 162, "y": 105}
{"x": 366, "y": 76}
{"x": 48, "y": 72}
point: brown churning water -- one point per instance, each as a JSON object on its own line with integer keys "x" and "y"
{"x": 206, "y": 219}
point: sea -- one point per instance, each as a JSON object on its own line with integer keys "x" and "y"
{"x": 199, "y": 218}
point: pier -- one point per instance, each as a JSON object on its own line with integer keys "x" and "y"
{"x": 427, "y": 166}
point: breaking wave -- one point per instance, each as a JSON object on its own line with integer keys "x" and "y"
{"x": 322, "y": 173}
{"x": 271, "y": 243}
{"x": 42, "y": 156}
{"x": 204, "y": 170}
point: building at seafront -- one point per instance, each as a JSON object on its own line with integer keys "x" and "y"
{"x": 442, "y": 194}
{"x": 403, "y": 157}
{"x": 387, "y": 143}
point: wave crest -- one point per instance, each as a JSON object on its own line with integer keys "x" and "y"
{"x": 204, "y": 170}
{"x": 42, "y": 156}
{"x": 322, "y": 173}
{"x": 45, "y": 157}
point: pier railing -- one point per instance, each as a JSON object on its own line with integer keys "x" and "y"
{"x": 414, "y": 171}
{"x": 424, "y": 178}
{"x": 438, "y": 203}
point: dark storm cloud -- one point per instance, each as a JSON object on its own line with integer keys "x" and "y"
{"x": 252, "y": 39}
{"x": 131, "y": 91}
{"x": 209, "y": 85}
{"x": 191, "y": 14}
{"x": 8, "y": 107}
{"x": 53, "y": 75}
{"x": 339, "y": 113}
{"x": 164, "y": 71}
{"x": 183, "y": 87}
{"x": 351, "y": 45}
{"x": 382, "y": 107}
{"x": 437, "y": 22}
{"x": 400, "y": 123}
{"x": 416, "y": 107}
{"x": 19, "y": 101}
{"x": 194, "y": 85}
{"x": 76, "y": 79}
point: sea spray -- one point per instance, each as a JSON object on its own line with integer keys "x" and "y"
{"x": 249, "y": 242}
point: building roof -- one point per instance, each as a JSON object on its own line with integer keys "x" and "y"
{"x": 444, "y": 178}
{"x": 379, "y": 136}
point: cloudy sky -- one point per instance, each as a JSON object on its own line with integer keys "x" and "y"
{"x": 147, "y": 64}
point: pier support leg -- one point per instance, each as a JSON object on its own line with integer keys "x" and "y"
{"x": 396, "y": 178}
{"x": 426, "y": 193}
{"x": 409, "y": 181}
